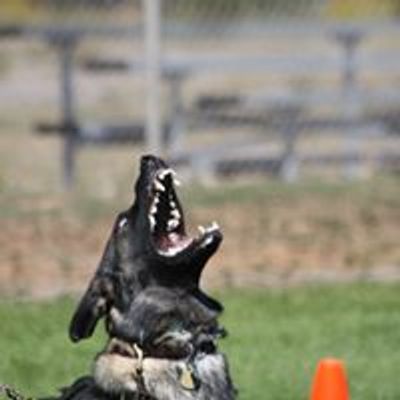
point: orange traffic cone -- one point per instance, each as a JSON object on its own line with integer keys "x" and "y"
{"x": 330, "y": 382}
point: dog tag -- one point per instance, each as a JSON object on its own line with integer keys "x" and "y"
{"x": 186, "y": 378}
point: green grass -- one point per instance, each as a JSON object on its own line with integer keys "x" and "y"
{"x": 384, "y": 189}
{"x": 35, "y": 353}
{"x": 276, "y": 339}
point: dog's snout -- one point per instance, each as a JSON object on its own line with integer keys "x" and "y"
{"x": 151, "y": 162}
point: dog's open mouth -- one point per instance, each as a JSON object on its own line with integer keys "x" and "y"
{"x": 167, "y": 222}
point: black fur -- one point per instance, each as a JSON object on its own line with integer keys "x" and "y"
{"x": 130, "y": 263}
{"x": 147, "y": 288}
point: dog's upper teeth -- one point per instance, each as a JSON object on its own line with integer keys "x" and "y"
{"x": 177, "y": 182}
{"x": 122, "y": 223}
{"x": 175, "y": 213}
{"x": 172, "y": 204}
{"x": 153, "y": 209}
{"x": 159, "y": 186}
{"x": 152, "y": 222}
{"x": 173, "y": 224}
{"x": 156, "y": 200}
{"x": 162, "y": 174}
{"x": 166, "y": 172}
{"x": 171, "y": 172}
{"x": 170, "y": 252}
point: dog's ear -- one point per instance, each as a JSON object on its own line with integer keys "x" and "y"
{"x": 98, "y": 298}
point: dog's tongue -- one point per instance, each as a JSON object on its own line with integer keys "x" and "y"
{"x": 173, "y": 242}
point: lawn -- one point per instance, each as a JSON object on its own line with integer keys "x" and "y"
{"x": 276, "y": 338}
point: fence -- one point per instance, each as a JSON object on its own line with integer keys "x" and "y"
{"x": 240, "y": 88}
{"x": 231, "y": 86}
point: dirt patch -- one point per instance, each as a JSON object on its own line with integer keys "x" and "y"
{"x": 269, "y": 240}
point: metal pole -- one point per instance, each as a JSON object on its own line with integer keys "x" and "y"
{"x": 289, "y": 168}
{"x": 66, "y": 52}
{"x": 152, "y": 10}
{"x": 177, "y": 114}
{"x": 350, "y": 41}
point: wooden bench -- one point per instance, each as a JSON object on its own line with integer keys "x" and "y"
{"x": 292, "y": 108}
{"x": 287, "y": 113}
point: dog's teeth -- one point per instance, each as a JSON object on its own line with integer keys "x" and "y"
{"x": 159, "y": 186}
{"x": 153, "y": 209}
{"x": 175, "y": 213}
{"x": 177, "y": 182}
{"x": 201, "y": 229}
{"x": 171, "y": 172}
{"x": 156, "y": 200}
{"x": 152, "y": 222}
{"x": 122, "y": 223}
{"x": 173, "y": 224}
{"x": 170, "y": 252}
{"x": 172, "y": 204}
{"x": 162, "y": 174}
{"x": 214, "y": 226}
{"x": 173, "y": 251}
{"x": 166, "y": 172}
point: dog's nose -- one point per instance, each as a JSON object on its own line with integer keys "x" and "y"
{"x": 150, "y": 161}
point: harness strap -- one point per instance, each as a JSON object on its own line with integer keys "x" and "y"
{"x": 142, "y": 394}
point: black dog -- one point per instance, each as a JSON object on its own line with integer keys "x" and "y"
{"x": 148, "y": 247}
{"x": 163, "y": 328}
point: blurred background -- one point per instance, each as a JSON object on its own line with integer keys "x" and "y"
{"x": 282, "y": 119}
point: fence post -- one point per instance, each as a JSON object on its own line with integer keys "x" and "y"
{"x": 152, "y": 11}
{"x": 66, "y": 47}
{"x": 289, "y": 168}
{"x": 350, "y": 40}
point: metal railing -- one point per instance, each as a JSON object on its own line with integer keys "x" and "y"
{"x": 294, "y": 69}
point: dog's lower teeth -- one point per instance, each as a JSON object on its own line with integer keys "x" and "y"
{"x": 172, "y": 251}
{"x": 214, "y": 226}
